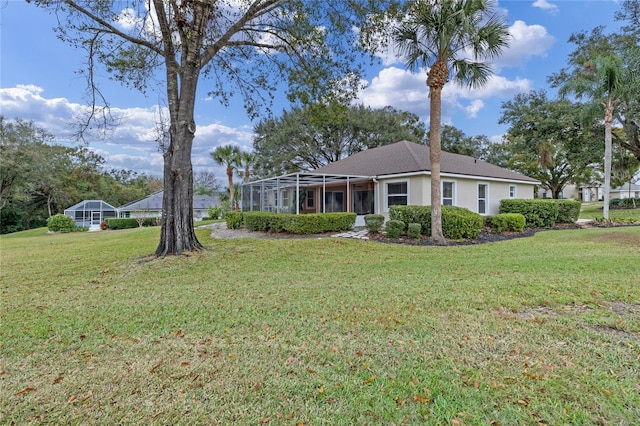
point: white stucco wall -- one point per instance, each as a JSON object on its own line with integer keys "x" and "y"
{"x": 465, "y": 193}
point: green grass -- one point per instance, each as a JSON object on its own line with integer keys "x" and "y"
{"x": 320, "y": 331}
{"x": 594, "y": 210}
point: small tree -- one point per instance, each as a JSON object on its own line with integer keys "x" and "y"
{"x": 228, "y": 156}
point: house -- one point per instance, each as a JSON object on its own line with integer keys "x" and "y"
{"x": 397, "y": 174}
{"x": 90, "y": 213}
{"x": 585, "y": 192}
{"x": 628, "y": 190}
{"x": 151, "y": 206}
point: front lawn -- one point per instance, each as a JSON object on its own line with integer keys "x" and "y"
{"x": 537, "y": 330}
{"x": 594, "y": 210}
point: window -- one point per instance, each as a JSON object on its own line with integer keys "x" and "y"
{"x": 512, "y": 191}
{"x": 448, "y": 193}
{"x": 483, "y": 192}
{"x": 397, "y": 194}
{"x": 334, "y": 201}
{"x": 311, "y": 199}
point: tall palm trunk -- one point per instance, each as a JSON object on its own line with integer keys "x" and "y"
{"x": 608, "y": 120}
{"x": 436, "y": 79}
{"x": 232, "y": 191}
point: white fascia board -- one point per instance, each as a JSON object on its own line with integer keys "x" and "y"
{"x": 460, "y": 176}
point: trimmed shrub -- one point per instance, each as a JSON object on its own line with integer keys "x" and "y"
{"x": 258, "y": 221}
{"x": 315, "y": 223}
{"x": 508, "y": 222}
{"x": 414, "y": 230}
{"x": 624, "y": 203}
{"x": 60, "y": 223}
{"x": 233, "y": 219}
{"x": 373, "y": 222}
{"x": 412, "y": 214}
{"x": 457, "y": 222}
{"x": 537, "y": 213}
{"x": 128, "y": 223}
{"x": 394, "y": 228}
{"x": 568, "y": 211}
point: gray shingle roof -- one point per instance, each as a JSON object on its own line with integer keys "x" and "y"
{"x": 409, "y": 157}
{"x": 153, "y": 202}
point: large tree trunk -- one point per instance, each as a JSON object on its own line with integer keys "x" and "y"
{"x": 178, "y": 233}
{"x": 435, "y": 94}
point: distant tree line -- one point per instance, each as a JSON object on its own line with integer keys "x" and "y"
{"x": 39, "y": 178}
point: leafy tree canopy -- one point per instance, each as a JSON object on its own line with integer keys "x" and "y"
{"x": 547, "y": 141}
{"x": 585, "y": 74}
{"x": 310, "y": 137}
{"x": 39, "y": 178}
{"x": 457, "y": 142}
{"x": 239, "y": 49}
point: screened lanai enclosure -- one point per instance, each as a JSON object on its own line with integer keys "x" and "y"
{"x": 300, "y": 193}
{"x": 89, "y": 213}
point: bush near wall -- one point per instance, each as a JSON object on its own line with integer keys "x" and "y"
{"x": 457, "y": 222}
{"x": 412, "y": 214}
{"x": 373, "y": 222}
{"x": 538, "y": 213}
{"x": 513, "y": 222}
{"x": 568, "y": 211}
{"x": 128, "y": 223}
{"x": 624, "y": 203}
{"x": 316, "y": 223}
{"x": 414, "y": 230}
{"x": 394, "y": 228}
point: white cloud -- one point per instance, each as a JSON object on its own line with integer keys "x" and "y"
{"x": 399, "y": 88}
{"x": 546, "y": 5}
{"x": 408, "y": 91}
{"x": 131, "y": 144}
{"x": 527, "y": 41}
{"x": 473, "y": 108}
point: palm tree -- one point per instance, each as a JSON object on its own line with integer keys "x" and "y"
{"x": 600, "y": 80}
{"x": 229, "y": 156}
{"x": 247, "y": 160}
{"x": 449, "y": 38}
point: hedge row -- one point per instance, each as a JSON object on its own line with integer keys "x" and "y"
{"x": 128, "y": 223}
{"x": 316, "y": 223}
{"x": 457, "y": 222}
{"x": 502, "y": 222}
{"x": 624, "y": 203}
{"x": 543, "y": 213}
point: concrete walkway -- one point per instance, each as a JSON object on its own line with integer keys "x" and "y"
{"x": 360, "y": 234}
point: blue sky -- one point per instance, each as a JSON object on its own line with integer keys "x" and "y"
{"x": 39, "y": 81}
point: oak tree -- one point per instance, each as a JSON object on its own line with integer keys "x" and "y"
{"x": 240, "y": 48}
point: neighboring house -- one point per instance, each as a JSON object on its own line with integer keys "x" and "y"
{"x": 90, "y": 213}
{"x": 151, "y": 206}
{"x": 397, "y": 174}
{"x": 584, "y": 192}
{"x": 628, "y": 190}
